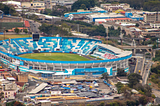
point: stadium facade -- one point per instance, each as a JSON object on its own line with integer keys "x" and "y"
{"x": 111, "y": 57}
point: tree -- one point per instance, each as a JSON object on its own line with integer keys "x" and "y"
{"x": 143, "y": 100}
{"x": 132, "y": 103}
{"x": 1, "y": 95}
{"x": 121, "y": 72}
{"x": 113, "y": 32}
{"x": 137, "y": 25}
{"x": 83, "y": 6}
{"x": 105, "y": 76}
{"x": 147, "y": 90}
{"x": 86, "y": 3}
{"x": 134, "y": 78}
{"x": 25, "y": 30}
{"x": 16, "y": 30}
{"x": 126, "y": 91}
{"x": 7, "y": 9}
{"x": 119, "y": 86}
{"x": 14, "y": 103}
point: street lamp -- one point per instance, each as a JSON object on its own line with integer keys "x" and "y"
{"x": 107, "y": 34}
{"x": 4, "y": 32}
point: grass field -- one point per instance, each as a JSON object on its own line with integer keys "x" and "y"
{"x": 14, "y": 36}
{"x": 55, "y": 56}
{"x": 9, "y": 25}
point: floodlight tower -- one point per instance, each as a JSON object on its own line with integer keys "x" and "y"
{"x": 107, "y": 35}
{"x": 1, "y": 17}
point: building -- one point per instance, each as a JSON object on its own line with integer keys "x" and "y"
{"x": 26, "y": 4}
{"x": 66, "y": 3}
{"x": 11, "y": 19}
{"x": 49, "y": 4}
{"x": 113, "y": 7}
{"x": 83, "y": 12}
{"x": 155, "y": 25}
{"x": 151, "y": 17}
{"x": 23, "y": 77}
{"x": 112, "y": 58}
{"x": 37, "y": 5}
{"x": 93, "y": 17}
{"x": 9, "y": 90}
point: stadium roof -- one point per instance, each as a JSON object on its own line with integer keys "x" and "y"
{"x": 39, "y": 88}
{"x": 45, "y": 72}
{"x": 120, "y": 52}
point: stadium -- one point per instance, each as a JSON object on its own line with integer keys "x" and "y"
{"x": 97, "y": 58}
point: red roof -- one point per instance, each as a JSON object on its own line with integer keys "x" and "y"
{"x": 26, "y": 24}
{"x": 112, "y": 19}
{"x": 109, "y": 19}
{"x": 19, "y": 28}
{"x": 121, "y": 18}
{"x": 123, "y": 12}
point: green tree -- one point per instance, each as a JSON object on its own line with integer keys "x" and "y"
{"x": 143, "y": 100}
{"x": 119, "y": 86}
{"x": 154, "y": 46}
{"x": 101, "y": 104}
{"x": 126, "y": 91}
{"x": 113, "y": 32}
{"x": 121, "y": 72}
{"x": 14, "y": 103}
{"x": 83, "y": 6}
{"x": 1, "y": 96}
{"x": 137, "y": 25}
{"x": 105, "y": 76}
{"x": 78, "y": 4}
{"x": 16, "y": 30}
{"x": 25, "y": 30}
{"x": 134, "y": 78}
{"x": 7, "y": 9}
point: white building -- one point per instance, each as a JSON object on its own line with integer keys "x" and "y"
{"x": 155, "y": 25}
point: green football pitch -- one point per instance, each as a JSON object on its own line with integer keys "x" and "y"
{"x": 55, "y": 56}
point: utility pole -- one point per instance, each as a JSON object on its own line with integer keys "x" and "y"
{"x": 52, "y": 25}
{"x": 78, "y": 29}
{"x": 107, "y": 35}
{"x": 22, "y": 17}
{"x": 4, "y": 30}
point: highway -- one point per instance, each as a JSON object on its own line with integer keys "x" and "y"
{"x": 146, "y": 72}
{"x": 34, "y": 26}
{"x": 139, "y": 65}
{"x": 156, "y": 92}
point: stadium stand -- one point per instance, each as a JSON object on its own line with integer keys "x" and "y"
{"x": 111, "y": 57}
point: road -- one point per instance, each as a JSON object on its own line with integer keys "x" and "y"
{"x": 156, "y": 92}
{"x": 139, "y": 65}
{"x": 34, "y": 26}
{"x": 146, "y": 72}
{"x": 32, "y": 85}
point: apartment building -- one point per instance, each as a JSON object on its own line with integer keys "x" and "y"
{"x": 39, "y": 5}
{"x": 9, "y": 90}
{"x": 151, "y": 17}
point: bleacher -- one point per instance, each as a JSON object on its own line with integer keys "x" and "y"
{"x": 104, "y": 53}
{"x": 49, "y": 44}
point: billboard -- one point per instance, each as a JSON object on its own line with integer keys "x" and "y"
{"x": 35, "y": 37}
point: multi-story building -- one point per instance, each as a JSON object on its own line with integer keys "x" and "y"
{"x": 155, "y": 25}
{"x": 49, "y": 4}
{"x": 66, "y": 3}
{"x": 23, "y": 77}
{"x": 9, "y": 90}
{"x": 114, "y": 7}
{"x": 37, "y": 5}
{"x": 151, "y": 17}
